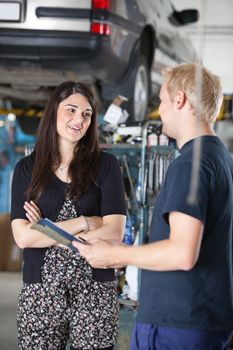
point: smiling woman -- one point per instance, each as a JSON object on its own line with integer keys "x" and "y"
{"x": 73, "y": 119}
{"x": 70, "y": 114}
{"x": 67, "y": 179}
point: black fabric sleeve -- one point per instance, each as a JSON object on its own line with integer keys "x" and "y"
{"x": 112, "y": 201}
{"x": 178, "y": 181}
{"x": 112, "y": 187}
{"x": 20, "y": 182}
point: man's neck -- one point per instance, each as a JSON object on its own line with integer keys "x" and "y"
{"x": 189, "y": 133}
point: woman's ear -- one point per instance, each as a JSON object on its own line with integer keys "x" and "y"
{"x": 180, "y": 99}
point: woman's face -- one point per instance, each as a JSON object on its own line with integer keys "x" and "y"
{"x": 73, "y": 118}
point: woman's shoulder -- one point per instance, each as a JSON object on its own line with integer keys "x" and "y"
{"x": 25, "y": 165}
{"x": 106, "y": 157}
{"x": 108, "y": 165}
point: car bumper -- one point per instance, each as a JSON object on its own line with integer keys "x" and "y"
{"x": 61, "y": 50}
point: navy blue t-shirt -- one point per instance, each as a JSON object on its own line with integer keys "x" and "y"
{"x": 201, "y": 298}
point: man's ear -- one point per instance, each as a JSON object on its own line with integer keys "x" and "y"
{"x": 180, "y": 99}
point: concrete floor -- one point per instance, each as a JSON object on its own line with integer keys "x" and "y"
{"x": 9, "y": 289}
{"x": 10, "y": 283}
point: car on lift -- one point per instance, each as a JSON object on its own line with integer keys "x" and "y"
{"x": 116, "y": 46}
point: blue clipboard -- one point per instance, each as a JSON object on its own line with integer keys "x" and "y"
{"x": 51, "y": 230}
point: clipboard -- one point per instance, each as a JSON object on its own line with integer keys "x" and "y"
{"x": 51, "y": 230}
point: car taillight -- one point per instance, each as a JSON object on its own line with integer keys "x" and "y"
{"x": 100, "y": 28}
{"x": 101, "y": 4}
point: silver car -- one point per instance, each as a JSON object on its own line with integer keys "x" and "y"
{"x": 117, "y": 46}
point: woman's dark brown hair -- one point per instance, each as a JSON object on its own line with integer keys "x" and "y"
{"x": 84, "y": 165}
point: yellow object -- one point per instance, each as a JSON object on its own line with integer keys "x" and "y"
{"x": 226, "y": 111}
{"x": 32, "y": 112}
{"x": 154, "y": 114}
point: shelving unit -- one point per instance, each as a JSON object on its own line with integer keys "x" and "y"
{"x": 12, "y": 147}
{"x": 143, "y": 167}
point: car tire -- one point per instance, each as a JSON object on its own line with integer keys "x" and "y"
{"x": 138, "y": 86}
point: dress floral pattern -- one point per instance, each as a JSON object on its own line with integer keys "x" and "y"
{"x": 68, "y": 305}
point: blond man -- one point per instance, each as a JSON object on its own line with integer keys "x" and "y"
{"x": 186, "y": 293}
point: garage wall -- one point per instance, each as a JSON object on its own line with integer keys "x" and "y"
{"x": 215, "y": 29}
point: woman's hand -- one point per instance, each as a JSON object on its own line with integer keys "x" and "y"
{"x": 33, "y": 212}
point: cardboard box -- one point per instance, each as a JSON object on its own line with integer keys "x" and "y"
{"x": 10, "y": 254}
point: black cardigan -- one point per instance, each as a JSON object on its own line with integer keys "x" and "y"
{"x": 105, "y": 197}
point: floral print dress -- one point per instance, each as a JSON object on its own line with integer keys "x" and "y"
{"x": 69, "y": 305}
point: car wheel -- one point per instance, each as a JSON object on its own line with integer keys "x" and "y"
{"x": 139, "y": 85}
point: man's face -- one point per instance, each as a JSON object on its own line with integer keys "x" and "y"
{"x": 166, "y": 110}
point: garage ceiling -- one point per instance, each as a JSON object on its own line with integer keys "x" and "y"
{"x": 213, "y": 36}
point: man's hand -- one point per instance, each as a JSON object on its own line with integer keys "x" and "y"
{"x": 102, "y": 253}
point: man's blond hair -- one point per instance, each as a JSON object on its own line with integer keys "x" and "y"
{"x": 204, "y": 95}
